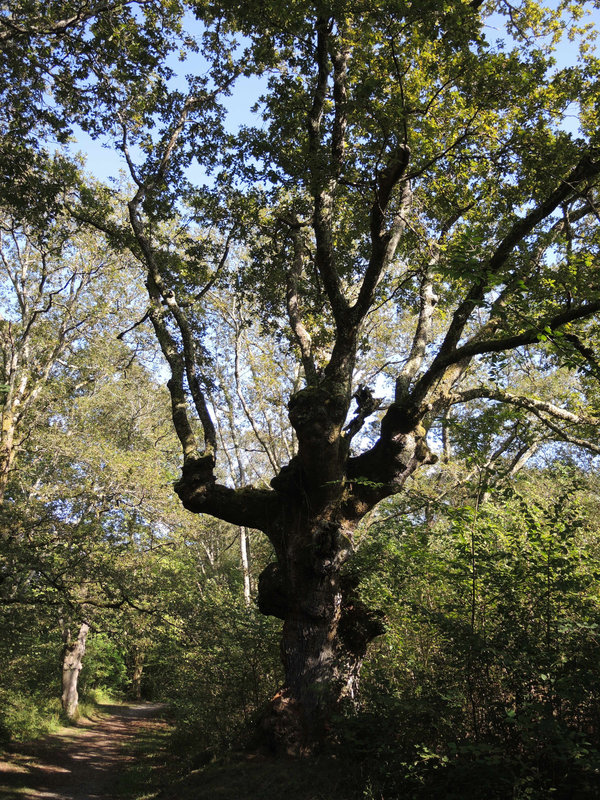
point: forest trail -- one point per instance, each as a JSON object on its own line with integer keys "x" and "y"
{"x": 97, "y": 760}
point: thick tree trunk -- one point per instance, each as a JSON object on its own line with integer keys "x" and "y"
{"x": 72, "y": 662}
{"x": 325, "y": 636}
{"x": 309, "y": 517}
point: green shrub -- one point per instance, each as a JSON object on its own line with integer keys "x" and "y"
{"x": 24, "y": 717}
{"x": 486, "y": 681}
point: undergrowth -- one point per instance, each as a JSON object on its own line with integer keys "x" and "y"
{"x": 24, "y": 717}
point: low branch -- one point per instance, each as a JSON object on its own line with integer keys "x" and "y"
{"x": 247, "y": 506}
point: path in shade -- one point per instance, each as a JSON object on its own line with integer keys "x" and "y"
{"x": 82, "y": 763}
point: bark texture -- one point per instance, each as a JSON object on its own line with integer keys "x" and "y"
{"x": 139, "y": 658}
{"x": 73, "y": 653}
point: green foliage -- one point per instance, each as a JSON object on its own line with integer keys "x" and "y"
{"x": 216, "y": 667}
{"x": 29, "y": 674}
{"x": 27, "y": 716}
{"x": 487, "y": 673}
{"x": 487, "y": 676}
{"x": 104, "y": 667}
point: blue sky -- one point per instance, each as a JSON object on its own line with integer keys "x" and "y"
{"x": 105, "y": 163}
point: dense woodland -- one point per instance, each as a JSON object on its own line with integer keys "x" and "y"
{"x": 300, "y": 415}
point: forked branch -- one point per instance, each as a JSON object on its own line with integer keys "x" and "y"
{"x": 587, "y": 170}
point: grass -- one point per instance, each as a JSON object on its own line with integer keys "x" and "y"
{"x": 146, "y": 772}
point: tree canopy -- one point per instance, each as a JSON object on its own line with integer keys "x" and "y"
{"x": 409, "y": 222}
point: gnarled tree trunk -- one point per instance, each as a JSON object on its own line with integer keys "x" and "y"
{"x": 325, "y": 635}
{"x": 310, "y": 516}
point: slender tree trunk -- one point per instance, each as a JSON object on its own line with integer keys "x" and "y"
{"x": 7, "y": 452}
{"x": 72, "y": 662}
{"x": 244, "y": 551}
{"x": 4, "y": 472}
{"x": 138, "y": 669}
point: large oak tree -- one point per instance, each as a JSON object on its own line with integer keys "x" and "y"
{"x": 404, "y": 163}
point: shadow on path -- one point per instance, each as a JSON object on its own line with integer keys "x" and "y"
{"x": 86, "y": 762}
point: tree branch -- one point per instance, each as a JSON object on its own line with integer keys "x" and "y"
{"x": 236, "y": 367}
{"x": 528, "y": 403}
{"x": 42, "y": 27}
{"x": 422, "y": 337}
{"x": 156, "y": 282}
{"x": 340, "y": 95}
{"x": 479, "y": 347}
{"x": 322, "y": 194}
{"x": 303, "y": 338}
{"x": 586, "y": 170}
{"x": 171, "y": 353}
{"x": 250, "y": 507}
{"x": 384, "y": 242}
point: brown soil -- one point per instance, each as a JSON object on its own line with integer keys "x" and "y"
{"x": 86, "y": 762}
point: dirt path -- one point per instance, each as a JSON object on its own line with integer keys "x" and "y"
{"x": 88, "y": 762}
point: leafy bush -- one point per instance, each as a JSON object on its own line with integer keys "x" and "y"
{"x": 25, "y": 716}
{"x": 217, "y": 670}
{"x": 485, "y": 684}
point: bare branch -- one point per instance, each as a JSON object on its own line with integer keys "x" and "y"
{"x": 384, "y": 241}
{"x": 249, "y": 416}
{"x": 422, "y": 337}
{"x": 222, "y": 261}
